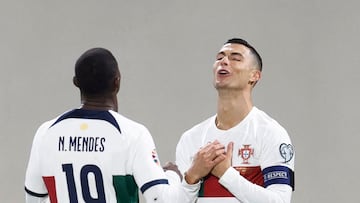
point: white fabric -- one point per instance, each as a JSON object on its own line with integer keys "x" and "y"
{"x": 32, "y": 199}
{"x": 257, "y": 132}
{"x": 64, "y": 148}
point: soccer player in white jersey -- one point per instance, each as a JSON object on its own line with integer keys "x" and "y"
{"x": 258, "y": 166}
{"x": 94, "y": 154}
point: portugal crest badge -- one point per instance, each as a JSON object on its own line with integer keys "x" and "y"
{"x": 246, "y": 152}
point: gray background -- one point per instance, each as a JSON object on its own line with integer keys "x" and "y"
{"x": 166, "y": 50}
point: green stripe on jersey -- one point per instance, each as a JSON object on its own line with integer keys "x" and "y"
{"x": 201, "y": 191}
{"x": 126, "y": 189}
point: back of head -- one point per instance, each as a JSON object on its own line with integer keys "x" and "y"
{"x": 257, "y": 56}
{"x": 95, "y": 71}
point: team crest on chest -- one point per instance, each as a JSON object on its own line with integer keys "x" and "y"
{"x": 246, "y": 152}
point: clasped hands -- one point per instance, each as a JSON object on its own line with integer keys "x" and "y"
{"x": 211, "y": 158}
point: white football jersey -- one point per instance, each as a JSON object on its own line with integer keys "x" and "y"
{"x": 262, "y": 154}
{"x": 92, "y": 156}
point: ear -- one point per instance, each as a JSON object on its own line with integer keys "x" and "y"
{"x": 255, "y": 76}
{"x": 117, "y": 84}
{"x": 75, "y": 81}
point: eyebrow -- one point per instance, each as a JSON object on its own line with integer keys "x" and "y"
{"x": 231, "y": 54}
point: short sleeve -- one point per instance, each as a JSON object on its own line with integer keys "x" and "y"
{"x": 33, "y": 178}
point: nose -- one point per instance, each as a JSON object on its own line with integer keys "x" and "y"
{"x": 224, "y": 60}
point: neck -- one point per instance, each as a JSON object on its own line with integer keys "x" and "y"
{"x": 99, "y": 103}
{"x": 232, "y": 109}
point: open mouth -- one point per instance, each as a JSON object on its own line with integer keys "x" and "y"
{"x": 223, "y": 72}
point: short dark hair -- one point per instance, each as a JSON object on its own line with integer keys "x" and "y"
{"x": 95, "y": 71}
{"x": 252, "y": 49}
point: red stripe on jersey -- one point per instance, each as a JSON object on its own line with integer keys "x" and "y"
{"x": 50, "y": 185}
{"x": 252, "y": 174}
{"x": 212, "y": 188}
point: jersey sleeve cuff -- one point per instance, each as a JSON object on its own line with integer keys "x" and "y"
{"x": 191, "y": 187}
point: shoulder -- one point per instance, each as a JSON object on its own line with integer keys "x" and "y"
{"x": 42, "y": 131}
{"x": 198, "y": 128}
{"x": 269, "y": 126}
{"x": 45, "y": 126}
{"x": 275, "y": 142}
{"x": 127, "y": 124}
{"x": 197, "y": 131}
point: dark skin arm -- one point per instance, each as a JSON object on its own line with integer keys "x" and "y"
{"x": 172, "y": 167}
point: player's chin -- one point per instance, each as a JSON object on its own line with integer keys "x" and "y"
{"x": 219, "y": 85}
{"x": 222, "y": 86}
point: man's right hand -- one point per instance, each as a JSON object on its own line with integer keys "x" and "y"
{"x": 204, "y": 161}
